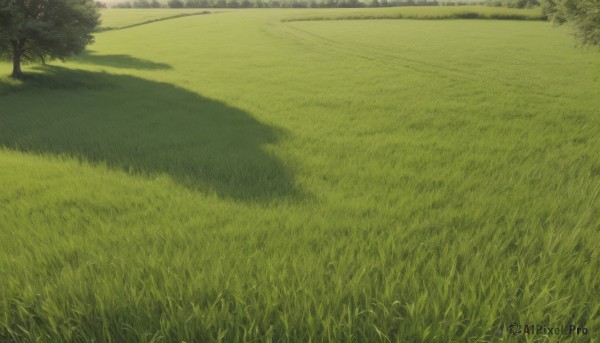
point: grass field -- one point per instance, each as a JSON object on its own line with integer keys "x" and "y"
{"x": 235, "y": 177}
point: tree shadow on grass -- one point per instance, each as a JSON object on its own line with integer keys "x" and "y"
{"x": 119, "y": 61}
{"x": 146, "y": 128}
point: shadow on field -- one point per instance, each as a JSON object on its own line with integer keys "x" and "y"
{"x": 144, "y": 127}
{"x": 119, "y": 61}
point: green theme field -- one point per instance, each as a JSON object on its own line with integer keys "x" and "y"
{"x": 236, "y": 176}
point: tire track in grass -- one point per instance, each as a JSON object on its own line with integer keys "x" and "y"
{"x": 150, "y": 21}
{"x": 335, "y": 48}
{"x": 332, "y": 47}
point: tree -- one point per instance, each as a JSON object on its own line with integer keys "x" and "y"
{"x": 176, "y": 4}
{"x": 582, "y": 15}
{"x": 125, "y": 4}
{"x": 142, "y": 4}
{"x": 45, "y": 29}
{"x": 4, "y": 25}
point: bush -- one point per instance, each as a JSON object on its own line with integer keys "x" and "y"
{"x": 176, "y": 4}
{"x": 514, "y": 3}
{"x": 125, "y": 4}
{"x": 142, "y": 4}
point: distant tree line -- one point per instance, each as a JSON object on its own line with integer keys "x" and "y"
{"x": 138, "y": 4}
{"x": 318, "y": 3}
{"x": 514, "y": 3}
{"x": 287, "y": 3}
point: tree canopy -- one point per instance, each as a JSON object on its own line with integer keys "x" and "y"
{"x": 38, "y": 30}
{"x": 583, "y": 15}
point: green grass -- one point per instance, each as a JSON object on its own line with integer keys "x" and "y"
{"x": 234, "y": 177}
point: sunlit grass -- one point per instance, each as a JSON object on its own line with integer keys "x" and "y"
{"x": 234, "y": 177}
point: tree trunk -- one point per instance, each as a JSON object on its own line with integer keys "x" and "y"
{"x": 17, "y": 73}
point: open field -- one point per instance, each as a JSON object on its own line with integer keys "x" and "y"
{"x": 234, "y": 177}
